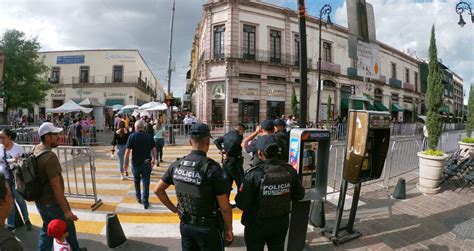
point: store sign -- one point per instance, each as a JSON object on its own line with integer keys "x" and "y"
{"x": 115, "y": 94}
{"x": 249, "y": 91}
{"x": 218, "y": 91}
{"x": 58, "y": 93}
{"x": 276, "y": 92}
{"x": 78, "y": 59}
{"x": 368, "y": 60}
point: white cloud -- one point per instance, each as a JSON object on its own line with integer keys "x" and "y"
{"x": 407, "y": 24}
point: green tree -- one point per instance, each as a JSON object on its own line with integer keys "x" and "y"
{"x": 470, "y": 112}
{"x": 294, "y": 102}
{"x": 24, "y": 73}
{"x": 434, "y": 95}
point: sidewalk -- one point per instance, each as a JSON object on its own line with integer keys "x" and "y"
{"x": 439, "y": 222}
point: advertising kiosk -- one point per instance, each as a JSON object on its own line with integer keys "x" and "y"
{"x": 309, "y": 156}
{"x": 368, "y": 136}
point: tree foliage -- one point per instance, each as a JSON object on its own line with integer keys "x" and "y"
{"x": 470, "y": 112}
{"x": 24, "y": 74}
{"x": 434, "y": 95}
{"x": 294, "y": 102}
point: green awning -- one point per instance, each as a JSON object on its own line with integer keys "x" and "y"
{"x": 370, "y": 107}
{"x": 397, "y": 108}
{"x": 358, "y": 105}
{"x": 380, "y": 107}
{"x": 344, "y": 103}
{"x": 111, "y": 102}
{"x": 444, "y": 109}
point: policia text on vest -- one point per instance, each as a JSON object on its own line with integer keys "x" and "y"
{"x": 202, "y": 191}
{"x": 265, "y": 198}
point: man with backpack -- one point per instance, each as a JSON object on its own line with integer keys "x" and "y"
{"x": 51, "y": 203}
{"x": 265, "y": 198}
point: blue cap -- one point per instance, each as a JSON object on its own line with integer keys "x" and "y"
{"x": 268, "y": 125}
{"x": 199, "y": 131}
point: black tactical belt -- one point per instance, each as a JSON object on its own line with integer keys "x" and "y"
{"x": 200, "y": 221}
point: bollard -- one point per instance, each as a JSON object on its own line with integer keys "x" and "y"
{"x": 317, "y": 217}
{"x": 114, "y": 231}
{"x": 400, "y": 191}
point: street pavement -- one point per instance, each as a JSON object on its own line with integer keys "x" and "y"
{"x": 438, "y": 222}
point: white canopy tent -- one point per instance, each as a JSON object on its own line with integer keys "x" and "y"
{"x": 149, "y": 105}
{"x": 159, "y": 107}
{"x": 98, "y": 111}
{"x": 69, "y": 106}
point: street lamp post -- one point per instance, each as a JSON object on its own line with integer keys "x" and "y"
{"x": 325, "y": 11}
{"x": 460, "y": 8}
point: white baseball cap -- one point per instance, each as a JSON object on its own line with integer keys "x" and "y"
{"x": 48, "y": 127}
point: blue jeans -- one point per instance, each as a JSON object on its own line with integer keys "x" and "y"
{"x": 49, "y": 213}
{"x": 121, "y": 155}
{"x": 159, "y": 144}
{"x": 142, "y": 173}
{"x": 23, "y": 208}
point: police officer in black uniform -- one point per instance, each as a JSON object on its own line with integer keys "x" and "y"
{"x": 263, "y": 131}
{"x": 283, "y": 137}
{"x": 231, "y": 149}
{"x": 265, "y": 197}
{"x": 202, "y": 191}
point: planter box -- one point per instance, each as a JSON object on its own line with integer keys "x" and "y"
{"x": 431, "y": 171}
{"x": 469, "y": 146}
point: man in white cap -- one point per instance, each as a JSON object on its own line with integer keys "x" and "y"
{"x": 52, "y": 203}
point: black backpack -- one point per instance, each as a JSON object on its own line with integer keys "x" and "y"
{"x": 27, "y": 181}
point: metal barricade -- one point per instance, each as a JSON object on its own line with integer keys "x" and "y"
{"x": 78, "y": 165}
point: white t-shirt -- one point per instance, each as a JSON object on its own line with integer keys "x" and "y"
{"x": 58, "y": 246}
{"x": 14, "y": 152}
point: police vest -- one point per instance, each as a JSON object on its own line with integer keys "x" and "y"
{"x": 193, "y": 189}
{"x": 275, "y": 191}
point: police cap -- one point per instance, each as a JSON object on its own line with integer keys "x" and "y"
{"x": 268, "y": 125}
{"x": 199, "y": 131}
{"x": 279, "y": 122}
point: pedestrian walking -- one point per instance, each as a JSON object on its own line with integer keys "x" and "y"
{"x": 117, "y": 120}
{"x": 201, "y": 190}
{"x": 230, "y": 146}
{"x": 11, "y": 152}
{"x": 7, "y": 239}
{"x": 141, "y": 144}
{"x": 265, "y": 199}
{"x": 120, "y": 140}
{"x": 52, "y": 203}
{"x": 159, "y": 137}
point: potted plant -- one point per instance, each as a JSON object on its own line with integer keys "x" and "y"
{"x": 468, "y": 142}
{"x": 432, "y": 161}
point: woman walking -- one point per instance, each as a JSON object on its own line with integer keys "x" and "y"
{"x": 159, "y": 137}
{"x": 120, "y": 140}
{"x": 11, "y": 152}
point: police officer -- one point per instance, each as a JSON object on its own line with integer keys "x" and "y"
{"x": 283, "y": 138}
{"x": 265, "y": 197}
{"x": 231, "y": 149}
{"x": 265, "y": 130}
{"x": 202, "y": 191}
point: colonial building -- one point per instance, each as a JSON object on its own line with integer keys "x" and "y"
{"x": 107, "y": 77}
{"x": 244, "y": 65}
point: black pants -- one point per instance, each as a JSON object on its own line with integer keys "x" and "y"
{"x": 234, "y": 171}
{"x": 195, "y": 237}
{"x": 271, "y": 231}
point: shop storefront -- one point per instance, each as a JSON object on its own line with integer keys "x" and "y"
{"x": 275, "y": 101}
{"x": 249, "y": 104}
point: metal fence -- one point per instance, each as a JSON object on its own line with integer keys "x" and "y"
{"x": 30, "y": 136}
{"x": 78, "y": 165}
{"x": 401, "y": 158}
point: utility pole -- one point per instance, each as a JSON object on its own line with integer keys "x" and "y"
{"x": 303, "y": 58}
{"x": 170, "y": 96}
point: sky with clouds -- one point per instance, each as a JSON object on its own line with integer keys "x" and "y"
{"x": 145, "y": 24}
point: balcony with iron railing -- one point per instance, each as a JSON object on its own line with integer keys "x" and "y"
{"x": 408, "y": 87}
{"x": 100, "y": 81}
{"x": 395, "y": 83}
